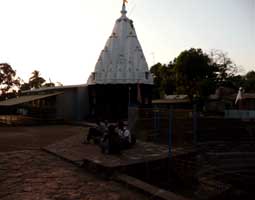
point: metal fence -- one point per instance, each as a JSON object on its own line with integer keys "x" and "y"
{"x": 163, "y": 126}
{"x": 224, "y": 160}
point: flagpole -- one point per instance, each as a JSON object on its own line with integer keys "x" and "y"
{"x": 129, "y": 98}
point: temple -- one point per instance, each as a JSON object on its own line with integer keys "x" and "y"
{"x": 121, "y": 77}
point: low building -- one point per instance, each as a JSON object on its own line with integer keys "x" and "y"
{"x": 231, "y": 104}
{"x": 173, "y": 102}
{"x": 55, "y": 103}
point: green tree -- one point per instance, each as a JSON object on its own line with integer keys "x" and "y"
{"x": 25, "y": 86}
{"x": 169, "y": 79}
{"x": 164, "y": 80}
{"x": 234, "y": 82}
{"x": 195, "y": 74}
{"x": 49, "y": 85}
{"x": 36, "y": 81}
{"x": 224, "y": 67}
{"x": 249, "y": 81}
{"x": 156, "y": 71}
{"x": 9, "y": 82}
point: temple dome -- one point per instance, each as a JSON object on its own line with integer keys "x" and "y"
{"x": 122, "y": 60}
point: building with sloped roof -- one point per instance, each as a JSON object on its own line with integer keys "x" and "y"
{"x": 62, "y": 103}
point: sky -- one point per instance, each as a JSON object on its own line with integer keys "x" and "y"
{"x": 63, "y": 38}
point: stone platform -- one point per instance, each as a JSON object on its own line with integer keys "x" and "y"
{"x": 73, "y": 150}
{"x": 135, "y": 159}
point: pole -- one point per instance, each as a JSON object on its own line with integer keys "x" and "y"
{"x": 129, "y": 98}
{"x": 194, "y": 119}
{"x": 170, "y": 132}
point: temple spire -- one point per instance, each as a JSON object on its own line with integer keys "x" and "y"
{"x": 122, "y": 60}
{"x": 124, "y": 11}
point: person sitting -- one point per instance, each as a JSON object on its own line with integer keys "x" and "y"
{"x": 125, "y": 136}
{"x": 96, "y": 133}
{"x": 110, "y": 142}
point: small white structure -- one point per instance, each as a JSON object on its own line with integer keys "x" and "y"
{"x": 239, "y": 96}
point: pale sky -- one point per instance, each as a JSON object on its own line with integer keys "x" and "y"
{"x": 63, "y": 38}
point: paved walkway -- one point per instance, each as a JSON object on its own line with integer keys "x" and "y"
{"x": 34, "y": 175}
{"x": 27, "y": 173}
{"x": 35, "y": 137}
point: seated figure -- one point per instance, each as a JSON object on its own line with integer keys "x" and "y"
{"x": 96, "y": 133}
{"x": 110, "y": 142}
{"x": 125, "y": 136}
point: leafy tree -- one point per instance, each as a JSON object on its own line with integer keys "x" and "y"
{"x": 169, "y": 79}
{"x": 9, "y": 83}
{"x": 249, "y": 83}
{"x": 195, "y": 74}
{"x": 234, "y": 82}
{"x": 35, "y": 81}
{"x": 198, "y": 74}
{"x": 49, "y": 85}
{"x": 250, "y": 75}
{"x": 225, "y": 68}
{"x": 156, "y": 70}
{"x": 164, "y": 80}
{"x": 25, "y": 86}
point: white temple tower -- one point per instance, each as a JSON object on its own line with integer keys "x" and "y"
{"x": 121, "y": 76}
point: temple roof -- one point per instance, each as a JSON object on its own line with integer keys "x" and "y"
{"x": 122, "y": 60}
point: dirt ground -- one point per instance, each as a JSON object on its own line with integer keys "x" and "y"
{"x": 23, "y": 138}
{"x": 28, "y": 173}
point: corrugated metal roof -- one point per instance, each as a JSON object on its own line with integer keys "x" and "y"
{"x": 170, "y": 101}
{"x": 53, "y": 88}
{"x": 244, "y": 96}
{"x": 177, "y": 97}
{"x": 25, "y": 99}
{"x": 249, "y": 95}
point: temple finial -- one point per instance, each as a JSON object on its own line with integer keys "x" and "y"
{"x": 124, "y": 11}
